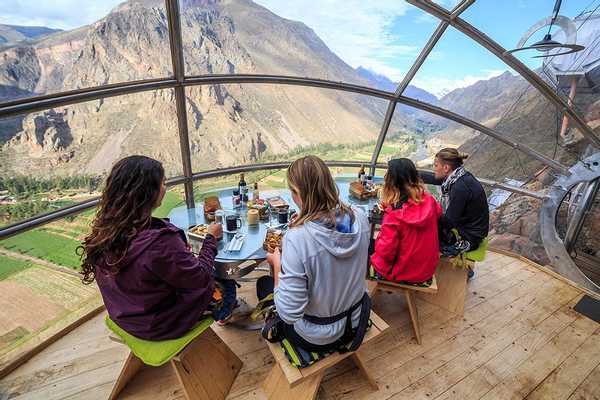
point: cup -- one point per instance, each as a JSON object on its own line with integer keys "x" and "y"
{"x": 282, "y": 216}
{"x": 253, "y": 216}
{"x": 219, "y": 216}
{"x": 233, "y": 223}
{"x": 291, "y": 213}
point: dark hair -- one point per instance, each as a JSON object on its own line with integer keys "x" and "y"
{"x": 451, "y": 157}
{"x": 402, "y": 182}
{"x": 131, "y": 193}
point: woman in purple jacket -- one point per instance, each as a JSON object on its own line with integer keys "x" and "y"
{"x": 152, "y": 285}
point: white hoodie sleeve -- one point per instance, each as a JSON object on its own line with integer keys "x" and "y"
{"x": 291, "y": 295}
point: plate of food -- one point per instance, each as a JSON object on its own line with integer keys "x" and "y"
{"x": 273, "y": 240}
{"x": 196, "y": 235}
{"x": 199, "y": 231}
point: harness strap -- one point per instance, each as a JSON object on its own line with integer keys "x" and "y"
{"x": 348, "y": 335}
{"x": 335, "y": 318}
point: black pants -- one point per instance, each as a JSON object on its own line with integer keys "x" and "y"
{"x": 265, "y": 286}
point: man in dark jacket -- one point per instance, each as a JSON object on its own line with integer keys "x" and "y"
{"x": 467, "y": 211}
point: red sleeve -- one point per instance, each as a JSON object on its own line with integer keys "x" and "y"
{"x": 387, "y": 246}
{"x": 182, "y": 269}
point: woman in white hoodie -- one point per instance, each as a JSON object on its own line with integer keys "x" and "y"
{"x": 319, "y": 279}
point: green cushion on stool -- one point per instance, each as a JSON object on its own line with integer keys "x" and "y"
{"x": 159, "y": 352}
{"x": 479, "y": 253}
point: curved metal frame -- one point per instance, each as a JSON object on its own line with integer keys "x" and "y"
{"x": 584, "y": 171}
{"x": 179, "y": 81}
{"x": 78, "y": 208}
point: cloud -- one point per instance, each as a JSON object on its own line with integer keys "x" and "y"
{"x": 356, "y": 30}
{"x": 441, "y": 86}
{"x": 63, "y": 14}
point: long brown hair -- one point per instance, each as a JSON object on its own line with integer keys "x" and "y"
{"x": 402, "y": 182}
{"x": 311, "y": 180}
{"x": 131, "y": 193}
{"x": 451, "y": 157}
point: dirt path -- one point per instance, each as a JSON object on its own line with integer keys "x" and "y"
{"x": 39, "y": 261}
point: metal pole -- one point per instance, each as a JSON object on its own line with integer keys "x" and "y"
{"x": 286, "y": 80}
{"x": 576, "y": 222}
{"x": 39, "y": 220}
{"x": 435, "y": 37}
{"x": 460, "y": 8}
{"x": 389, "y": 114}
{"x": 40, "y": 103}
{"x": 176, "y": 46}
{"x": 511, "y": 61}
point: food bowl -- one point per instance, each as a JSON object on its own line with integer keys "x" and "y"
{"x": 273, "y": 240}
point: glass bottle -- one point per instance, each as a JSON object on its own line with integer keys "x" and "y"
{"x": 361, "y": 174}
{"x": 243, "y": 187}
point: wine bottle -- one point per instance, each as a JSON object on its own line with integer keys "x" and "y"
{"x": 243, "y": 189}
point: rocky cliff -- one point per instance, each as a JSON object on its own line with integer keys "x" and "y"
{"x": 229, "y": 124}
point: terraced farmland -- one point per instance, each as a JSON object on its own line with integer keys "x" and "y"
{"x": 10, "y": 266}
{"x": 35, "y": 299}
{"x": 45, "y": 245}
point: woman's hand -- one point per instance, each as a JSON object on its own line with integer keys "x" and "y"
{"x": 274, "y": 259}
{"x": 216, "y": 230}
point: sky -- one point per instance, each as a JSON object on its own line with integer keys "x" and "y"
{"x": 383, "y": 35}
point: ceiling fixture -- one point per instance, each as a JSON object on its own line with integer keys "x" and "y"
{"x": 547, "y": 44}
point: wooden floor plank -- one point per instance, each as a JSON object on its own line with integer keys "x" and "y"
{"x": 515, "y": 331}
{"x": 518, "y": 337}
{"x": 491, "y": 373}
{"x": 405, "y": 364}
{"x": 565, "y": 379}
{"x": 527, "y": 376}
{"x": 589, "y": 388}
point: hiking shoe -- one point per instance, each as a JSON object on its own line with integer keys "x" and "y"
{"x": 470, "y": 274}
{"x": 462, "y": 246}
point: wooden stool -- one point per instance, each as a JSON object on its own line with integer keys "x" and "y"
{"x": 409, "y": 294}
{"x": 452, "y": 284}
{"x": 452, "y": 277}
{"x": 205, "y": 368}
{"x": 287, "y": 382}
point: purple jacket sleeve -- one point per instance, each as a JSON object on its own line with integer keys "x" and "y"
{"x": 181, "y": 269}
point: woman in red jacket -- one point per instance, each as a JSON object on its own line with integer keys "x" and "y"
{"x": 407, "y": 248}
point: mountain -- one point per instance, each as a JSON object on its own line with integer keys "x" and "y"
{"x": 12, "y": 34}
{"x": 511, "y": 106}
{"x": 382, "y": 82}
{"x": 229, "y": 124}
